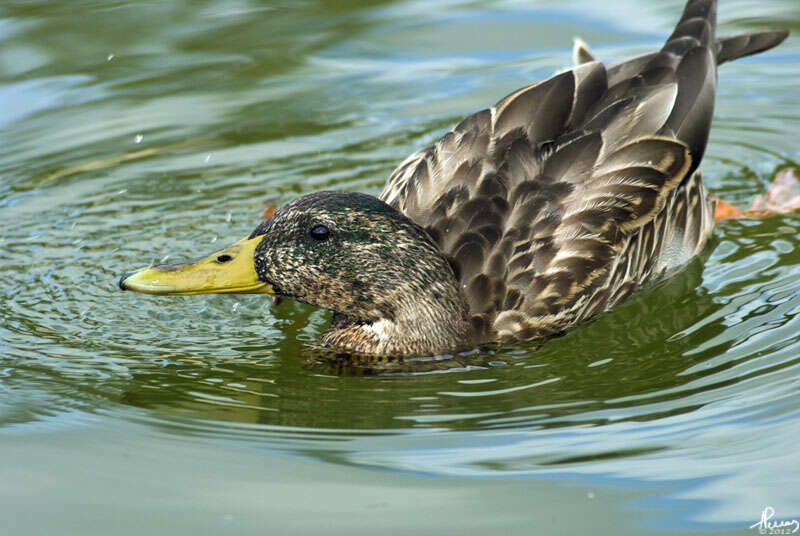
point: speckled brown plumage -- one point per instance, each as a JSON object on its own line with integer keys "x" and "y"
{"x": 390, "y": 287}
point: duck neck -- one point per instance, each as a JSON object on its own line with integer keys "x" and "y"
{"x": 418, "y": 318}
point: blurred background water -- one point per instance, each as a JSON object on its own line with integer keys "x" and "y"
{"x": 135, "y": 131}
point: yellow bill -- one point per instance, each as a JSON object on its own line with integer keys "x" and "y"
{"x": 229, "y": 270}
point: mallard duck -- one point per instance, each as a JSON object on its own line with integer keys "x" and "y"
{"x": 549, "y": 207}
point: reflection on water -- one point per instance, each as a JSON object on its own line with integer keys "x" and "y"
{"x": 165, "y": 130}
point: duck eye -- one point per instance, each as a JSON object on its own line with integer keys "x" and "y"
{"x": 319, "y": 232}
{"x": 224, "y": 258}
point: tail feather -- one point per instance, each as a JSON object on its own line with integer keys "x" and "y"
{"x": 688, "y": 59}
{"x": 699, "y": 21}
{"x": 738, "y": 46}
{"x": 580, "y": 52}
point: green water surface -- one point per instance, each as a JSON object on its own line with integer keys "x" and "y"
{"x": 134, "y": 132}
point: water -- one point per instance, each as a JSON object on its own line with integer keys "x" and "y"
{"x": 132, "y": 131}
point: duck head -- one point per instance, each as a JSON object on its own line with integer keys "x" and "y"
{"x": 391, "y": 288}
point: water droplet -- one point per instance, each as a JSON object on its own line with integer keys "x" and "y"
{"x": 138, "y": 138}
{"x": 208, "y": 158}
{"x": 213, "y": 239}
{"x": 228, "y": 217}
{"x": 164, "y": 259}
{"x": 235, "y": 307}
{"x": 110, "y": 57}
{"x": 590, "y": 495}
